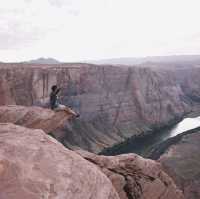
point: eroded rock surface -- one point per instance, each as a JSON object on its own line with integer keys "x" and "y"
{"x": 115, "y": 103}
{"x": 190, "y": 82}
{"x": 134, "y": 177}
{"x": 182, "y": 162}
{"x": 34, "y": 117}
{"x": 35, "y": 166}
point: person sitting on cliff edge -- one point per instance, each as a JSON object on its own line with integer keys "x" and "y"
{"x": 55, "y": 105}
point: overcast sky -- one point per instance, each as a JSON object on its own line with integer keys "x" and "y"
{"x": 73, "y": 30}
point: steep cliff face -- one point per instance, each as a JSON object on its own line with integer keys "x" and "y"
{"x": 181, "y": 160}
{"x": 114, "y": 102}
{"x": 190, "y": 82}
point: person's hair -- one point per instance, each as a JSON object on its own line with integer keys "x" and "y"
{"x": 54, "y": 87}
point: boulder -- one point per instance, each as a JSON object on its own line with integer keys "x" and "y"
{"x": 135, "y": 177}
{"x": 35, "y": 166}
{"x": 34, "y": 117}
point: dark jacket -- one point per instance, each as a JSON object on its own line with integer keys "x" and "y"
{"x": 54, "y": 99}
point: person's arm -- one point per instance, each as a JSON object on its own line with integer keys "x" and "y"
{"x": 57, "y": 91}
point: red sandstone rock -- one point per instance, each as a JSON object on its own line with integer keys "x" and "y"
{"x": 135, "y": 177}
{"x": 115, "y": 103}
{"x": 182, "y": 162}
{"x": 35, "y": 166}
{"x": 33, "y": 117}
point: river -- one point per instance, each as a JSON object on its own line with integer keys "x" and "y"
{"x": 144, "y": 145}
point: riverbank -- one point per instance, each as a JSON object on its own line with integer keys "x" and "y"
{"x": 195, "y": 112}
{"x": 164, "y": 146}
{"x": 135, "y": 143}
{"x": 144, "y": 143}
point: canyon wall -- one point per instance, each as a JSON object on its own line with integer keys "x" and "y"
{"x": 114, "y": 102}
{"x": 180, "y": 158}
{"x": 190, "y": 82}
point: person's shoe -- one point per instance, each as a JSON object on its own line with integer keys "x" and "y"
{"x": 77, "y": 115}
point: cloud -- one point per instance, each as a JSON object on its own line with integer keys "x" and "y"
{"x": 92, "y": 29}
{"x": 30, "y": 21}
{"x": 21, "y": 36}
{"x": 17, "y": 31}
{"x": 60, "y": 3}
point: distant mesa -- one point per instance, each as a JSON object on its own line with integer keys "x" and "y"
{"x": 128, "y": 61}
{"x": 43, "y": 61}
{"x": 149, "y": 59}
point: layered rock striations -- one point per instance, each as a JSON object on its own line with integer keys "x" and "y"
{"x": 190, "y": 82}
{"x": 114, "y": 102}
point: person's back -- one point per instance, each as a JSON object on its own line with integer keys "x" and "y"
{"x": 53, "y": 97}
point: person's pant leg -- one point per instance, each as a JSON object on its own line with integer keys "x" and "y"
{"x": 65, "y": 108}
{"x": 60, "y": 108}
{"x": 70, "y": 110}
